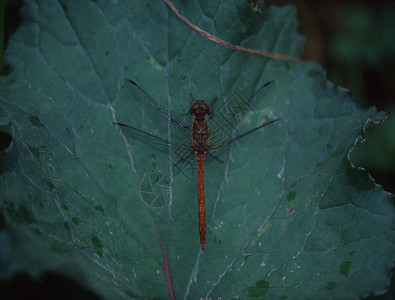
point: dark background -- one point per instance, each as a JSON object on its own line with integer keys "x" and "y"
{"x": 355, "y": 42}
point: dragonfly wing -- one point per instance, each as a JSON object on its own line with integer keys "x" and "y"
{"x": 181, "y": 154}
{"x": 228, "y": 115}
{"x": 216, "y": 148}
{"x": 151, "y": 139}
{"x": 158, "y": 112}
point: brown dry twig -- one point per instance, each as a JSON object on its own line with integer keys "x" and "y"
{"x": 228, "y": 45}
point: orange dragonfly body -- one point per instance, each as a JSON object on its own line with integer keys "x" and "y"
{"x": 200, "y": 139}
{"x": 196, "y": 140}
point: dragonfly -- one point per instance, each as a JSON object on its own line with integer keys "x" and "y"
{"x": 209, "y": 134}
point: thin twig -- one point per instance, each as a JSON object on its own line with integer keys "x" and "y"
{"x": 226, "y": 44}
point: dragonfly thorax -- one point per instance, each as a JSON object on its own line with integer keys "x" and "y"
{"x": 200, "y": 136}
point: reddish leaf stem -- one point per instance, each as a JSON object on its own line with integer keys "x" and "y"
{"x": 166, "y": 269}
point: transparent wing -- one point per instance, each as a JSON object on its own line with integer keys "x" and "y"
{"x": 179, "y": 143}
{"x": 227, "y": 117}
{"x": 162, "y": 116}
{"x": 181, "y": 154}
{"x": 221, "y": 146}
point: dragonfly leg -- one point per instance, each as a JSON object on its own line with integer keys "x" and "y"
{"x": 211, "y": 113}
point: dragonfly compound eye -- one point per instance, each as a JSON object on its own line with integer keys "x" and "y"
{"x": 199, "y": 108}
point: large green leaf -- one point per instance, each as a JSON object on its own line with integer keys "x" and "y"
{"x": 288, "y": 215}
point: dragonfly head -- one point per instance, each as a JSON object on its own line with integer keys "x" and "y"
{"x": 199, "y": 109}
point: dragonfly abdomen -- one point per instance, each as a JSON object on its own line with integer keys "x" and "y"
{"x": 201, "y": 209}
